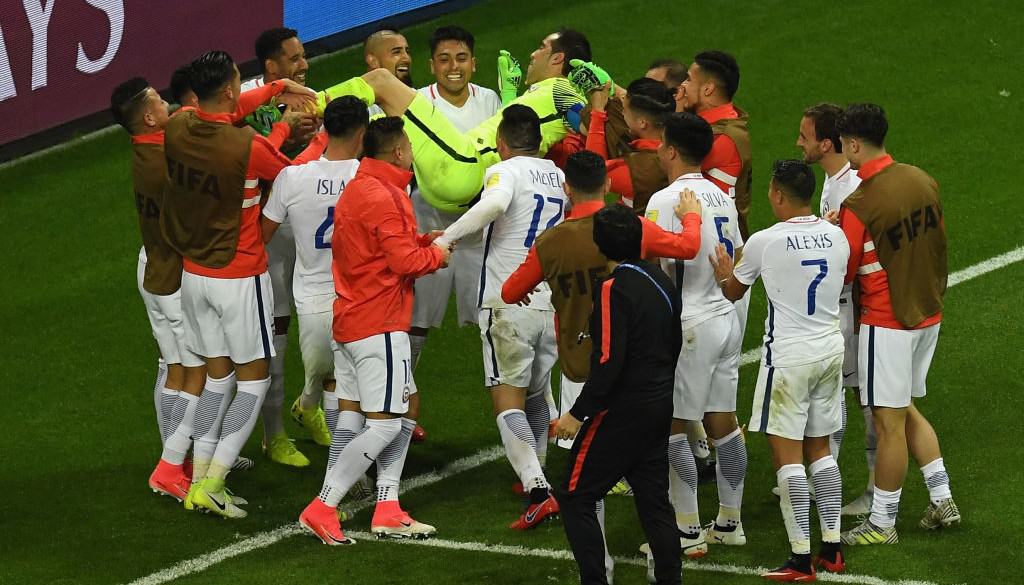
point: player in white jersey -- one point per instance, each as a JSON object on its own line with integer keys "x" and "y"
{"x": 282, "y": 56}
{"x": 523, "y": 195}
{"x": 819, "y": 141}
{"x": 802, "y": 261}
{"x": 466, "y": 105}
{"x": 708, "y": 368}
{"x": 305, "y": 196}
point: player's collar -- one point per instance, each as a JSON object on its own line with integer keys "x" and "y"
{"x": 689, "y": 176}
{"x": 717, "y": 113}
{"x": 224, "y": 118}
{"x": 840, "y": 173}
{"x": 804, "y": 219}
{"x": 151, "y": 138}
{"x": 386, "y": 172}
{"x": 585, "y": 209}
{"x": 646, "y": 143}
{"x": 874, "y": 166}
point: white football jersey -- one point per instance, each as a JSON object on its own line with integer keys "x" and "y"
{"x": 305, "y": 197}
{"x": 836, "y": 189}
{"x": 695, "y": 279}
{"x": 252, "y": 83}
{"x": 481, "y": 105}
{"x": 803, "y": 264}
{"x": 537, "y": 204}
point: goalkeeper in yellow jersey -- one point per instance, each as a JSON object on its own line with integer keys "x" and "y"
{"x": 450, "y": 164}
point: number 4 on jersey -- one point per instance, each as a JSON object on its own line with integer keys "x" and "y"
{"x": 320, "y": 239}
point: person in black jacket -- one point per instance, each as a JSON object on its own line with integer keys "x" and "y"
{"x": 622, "y": 417}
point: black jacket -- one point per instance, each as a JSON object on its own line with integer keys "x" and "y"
{"x": 637, "y": 336}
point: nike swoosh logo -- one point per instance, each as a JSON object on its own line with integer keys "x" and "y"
{"x": 530, "y": 516}
{"x": 406, "y": 524}
{"x": 368, "y": 458}
{"x": 218, "y": 504}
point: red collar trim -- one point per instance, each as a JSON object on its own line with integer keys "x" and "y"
{"x": 152, "y": 138}
{"x": 804, "y": 219}
{"x": 385, "y": 172}
{"x": 585, "y": 209}
{"x": 646, "y": 143}
{"x": 874, "y": 166}
{"x": 219, "y": 118}
{"x": 724, "y": 111}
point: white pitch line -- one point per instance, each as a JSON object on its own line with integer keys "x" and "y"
{"x": 565, "y": 555}
{"x": 265, "y": 539}
{"x": 753, "y": 356}
{"x": 269, "y": 537}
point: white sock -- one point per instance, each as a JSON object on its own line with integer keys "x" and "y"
{"x": 239, "y": 420}
{"x": 539, "y": 417}
{"x": 273, "y": 403}
{"x": 330, "y": 400}
{"x": 391, "y": 462}
{"x": 213, "y": 403}
{"x": 870, "y": 445}
{"x": 356, "y": 458}
{"x": 683, "y": 484}
{"x": 158, "y": 388}
{"x": 937, "y": 480}
{"x": 828, "y": 490}
{"x": 167, "y": 398}
{"x": 350, "y": 423}
{"x": 518, "y": 439}
{"x": 416, "y": 343}
{"x": 179, "y": 427}
{"x": 795, "y": 503}
{"x": 731, "y": 471}
{"x": 885, "y": 506}
{"x": 835, "y": 440}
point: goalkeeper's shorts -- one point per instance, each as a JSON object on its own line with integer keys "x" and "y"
{"x": 449, "y": 168}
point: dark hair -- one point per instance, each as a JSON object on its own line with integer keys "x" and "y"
{"x": 675, "y": 72}
{"x": 520, "y": 128}
{"x": 586, "y": 171}
{"x": 795, "y": 178}
{"x": 651, "y": 99}
{"x": 689, "y": 134}
{"x": 825, "y": 117}
{"x": 381, "y": 135}
{"x": 210, "y": 72}
{"x": 617, "y": 233}
{"x": 723, "y": 68}
{"x": 180, "y": 84}
{"x": 344, "y": 115}
{"x": 268, "y": 44}
{"x": 573, "y": 44}
{"x": 451, "y": 33}
{"x": 866, "y": 122}
{"x": 127, "y": 101}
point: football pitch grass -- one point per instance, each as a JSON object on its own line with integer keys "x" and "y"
{"x": 79, "y": 361}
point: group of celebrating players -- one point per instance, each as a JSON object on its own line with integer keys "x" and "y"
{"x": 366, "y": 205}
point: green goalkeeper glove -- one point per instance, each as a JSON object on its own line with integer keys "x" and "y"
{"x": 587, "y": 77}
{"x": 509, "y": 76}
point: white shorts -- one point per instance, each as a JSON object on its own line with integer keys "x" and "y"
{"x": 799, "y": 401}
{"x": 434, "y": 290}
{"x": 519, "y": 347}
{"x": 228, "y": 316}
{"x": 894, "y": 364}
{"x": 708, "y": 368}
{"x": 346, "y": 383}
{"x": 846, "y": 326}
{"x": 567, "y": 396}
{"x": 383, "y": 373}
{"x": 281, "y": 265}
{"x": 462, "y": 273}
{"x": 315, "y": 345}
{"x": 164, "y": 312}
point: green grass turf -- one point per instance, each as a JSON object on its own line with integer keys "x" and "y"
{"x": 79, "y": 361}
